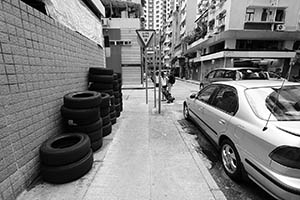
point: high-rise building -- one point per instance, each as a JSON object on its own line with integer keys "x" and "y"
{"x": 232, "y": 33}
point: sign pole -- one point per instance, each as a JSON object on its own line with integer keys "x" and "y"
{"x": 159, "y": 74}
{"x": 145, "y": 37}
{"x": 146, "y": 71}
{"x": 154, "y": 68}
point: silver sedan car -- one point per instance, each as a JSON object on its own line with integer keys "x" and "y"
{"x": 256, "y": 126}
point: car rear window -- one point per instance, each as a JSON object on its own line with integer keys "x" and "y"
{"x": 247, "y": 74}
{"x": 283, "y": 104}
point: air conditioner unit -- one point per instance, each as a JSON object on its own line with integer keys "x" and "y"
{"x": 280, "y": 27}
{"x": 105, "y": 22}
{"x": 216, "y": 31}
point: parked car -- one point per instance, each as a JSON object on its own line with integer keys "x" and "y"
{"x": 256, "y": 126}
{"x": 229, "y": 74}
{"x": 272, "y": 76}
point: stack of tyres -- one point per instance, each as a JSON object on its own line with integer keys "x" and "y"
{"x": 101, "y": 80}
{"x": 81, "y": 113}
{"x": 117, "y": 94}
{"x": 65, "y": 158}
{"x": 105, "y": 113}
{"x": 120, "y": 90}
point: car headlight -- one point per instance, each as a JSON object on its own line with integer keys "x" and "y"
{"x": 287, "y": 156}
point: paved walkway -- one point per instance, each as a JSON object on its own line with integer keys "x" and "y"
{"x": 147, "y": 156}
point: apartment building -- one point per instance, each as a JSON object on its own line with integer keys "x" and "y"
{"x": 182, "y": 25}
{"x": 231, "y": 33}
{"x": 123, "y": 55}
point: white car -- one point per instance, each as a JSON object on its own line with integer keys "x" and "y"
{"x": 256, "y": 126}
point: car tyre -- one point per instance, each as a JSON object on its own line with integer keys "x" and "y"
{"x": 231, "y": 161}
{"x": 67, "y": 173}
{"x": 64, "y": 149}
{"x": 84, "y": 99}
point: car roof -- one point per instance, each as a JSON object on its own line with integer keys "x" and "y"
{"x": 256, "y": 83}
{"x": 236, "y": 68}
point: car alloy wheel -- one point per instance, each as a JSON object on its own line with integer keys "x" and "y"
{"x": 231, "y": 160}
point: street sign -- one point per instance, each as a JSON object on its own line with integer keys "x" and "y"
{"x": 145, "y": 36}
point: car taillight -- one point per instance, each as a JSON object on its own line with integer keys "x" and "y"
{"x": 287, "y": 156}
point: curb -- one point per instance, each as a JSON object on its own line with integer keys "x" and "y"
{"x": 189, "y": 143}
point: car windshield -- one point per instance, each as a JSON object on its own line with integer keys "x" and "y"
{"x": 284, "y": 104}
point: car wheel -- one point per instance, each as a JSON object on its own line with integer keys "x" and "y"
{"x": 186, "y": 113}
{"x": 231, "y": 161}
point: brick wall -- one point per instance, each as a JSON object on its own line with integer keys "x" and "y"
{"x": 40, "y": 61}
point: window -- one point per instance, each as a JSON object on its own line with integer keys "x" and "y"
{"x": 226, "y": 100}
{"x": 230, "y": 74}
{"x": 37, "y": 4}
{"x": 206, "y": 94}
{"x": 250, "y": 14}
{"x": 219, "y": 74}
{"x": 211, "y": 74}
{"x": 279, "y": 17}
{"x": 264, "y": 15}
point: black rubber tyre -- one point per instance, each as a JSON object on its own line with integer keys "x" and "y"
{"x": 101, "y": 71}
{"x": 107, "y": 129}
{"x": 113, "y": 120}
{"x": 118, "y": 107}
{"x": 67, "y": 173}
{"x": 101, "y": 78}
{"x": 101, "y": 86}
{"x": 84, "y": 99}
{"x": 117, "y": 100}
{"x": 110, "y": 92}
{"x": 115, "y": 76}
{"x": 95, "y": 135}
{"x": 84, "y": 128}
{"x": 106, "y": 120}
{"x": 231, "y": 161}
{"x": 117, "y": 94}
{"x": 106, "y": 100}
{"x": 64, "y": 149}
{"x": 105, "y": 111}
{"x": 118, "y": 113}
{"x": 112, "y": 115}
{"x": 97, "y": 144}
{"x": 81, "y": 116}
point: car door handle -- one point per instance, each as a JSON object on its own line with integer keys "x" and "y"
{"x": 200, "y": 108}
{"x": 222, "y": 122}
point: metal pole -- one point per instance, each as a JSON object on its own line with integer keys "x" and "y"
{"x": 159, "y": 74}
{"x": 146, "y": 71}
{"x": 154, "y": 68}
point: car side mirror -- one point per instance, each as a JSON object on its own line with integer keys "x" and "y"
{"x": 206, "y": 76}
{"x": 193, "y": 96}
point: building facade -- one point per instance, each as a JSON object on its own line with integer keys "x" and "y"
{"x": 123, "y": 55}
{"x": 232, "y": 33}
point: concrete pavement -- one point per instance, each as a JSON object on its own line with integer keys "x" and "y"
{"x": 147, "y": 156}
